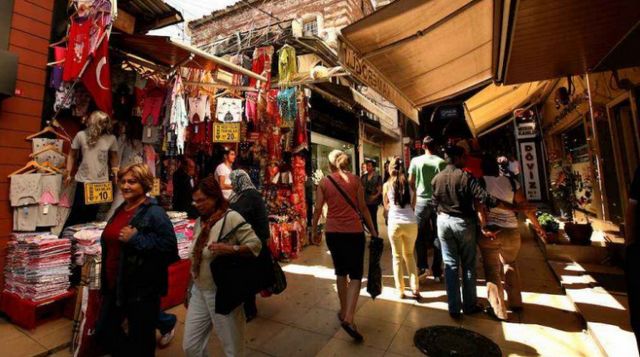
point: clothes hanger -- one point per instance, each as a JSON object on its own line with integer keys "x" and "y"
{"x": 32, "y": 166}
{"x": 47, "y": 148}
{"x": 48, "y": 129}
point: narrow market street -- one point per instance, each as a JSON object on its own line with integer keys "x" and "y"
{"x": 302, "y": 321}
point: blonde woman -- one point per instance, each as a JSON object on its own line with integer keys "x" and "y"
{"x": 343, "y": 193}
{"x": 399, "y": 201}
{"x": 99, "y": 151}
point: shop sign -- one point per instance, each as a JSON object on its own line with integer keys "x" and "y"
{"x": 226, "y": 132}
{"x": 527, "y": 130}
{"x": 530, "y": 171}
{"x": 359, "y": 67}
{"x": 155, "y": 190}
{"x": 95, "y": 193}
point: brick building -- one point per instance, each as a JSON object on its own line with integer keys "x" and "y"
{"x": 320, "y": 17}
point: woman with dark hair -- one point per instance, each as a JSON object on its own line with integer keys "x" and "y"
{"x": 500, "y": 248}
{"x": 399, "y": 201}
{"x": 219, "y": 232}
{"x": 248, "y": 201}
{"x": 347, "y": 213}
{"x": 138, "y": 245}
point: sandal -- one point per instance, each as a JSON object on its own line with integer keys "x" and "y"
{"x": 352, "y": 331}
{"x": 417, "y": 296}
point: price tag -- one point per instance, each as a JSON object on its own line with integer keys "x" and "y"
{"x": 95, "y": 193}
{"x": 226, "y": 132}
{"x": 155, "y": 190}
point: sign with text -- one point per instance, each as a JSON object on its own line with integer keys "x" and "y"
{"x": 226, "y": 132}
{"x": 530, "y": 170}
{"x": 527, "y": 130}
{"x": 95, "y": 193}
{"x": 359, "y": 67}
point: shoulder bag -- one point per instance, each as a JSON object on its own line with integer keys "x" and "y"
{"x": 350, "y": 203}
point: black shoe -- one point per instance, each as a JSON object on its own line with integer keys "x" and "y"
{"x": 455, "y": 315}
{"x": 352, "y": 331}
{"x": 517, "y": 309}
{"x": 474, "y": 310}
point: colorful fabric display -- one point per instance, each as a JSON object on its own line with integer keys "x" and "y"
{"x": 37, "y": 266}
{"x": 229, "y": 110}
{"x": 287, "y": 64}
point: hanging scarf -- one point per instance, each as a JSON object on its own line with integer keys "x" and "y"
{"x": 287, "y": 64}
{"x": 203, "y": 238}
{"x": 240, "y": 181}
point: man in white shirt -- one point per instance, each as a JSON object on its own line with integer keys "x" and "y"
{"x": 224, "y": 170}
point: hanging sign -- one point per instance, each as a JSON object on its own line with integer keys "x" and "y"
{"x": 226, "y": 132}
{"x": 362, "y": 69}
{"x": 530, "y": 171}
{"x": 155, "y": 190}
{"x": 527, "y": 130}
{"x": 95, "y": 193}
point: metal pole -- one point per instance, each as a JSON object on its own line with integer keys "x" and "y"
{"x": 603, "y": 195}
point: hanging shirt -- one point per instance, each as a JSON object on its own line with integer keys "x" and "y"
{"x": 94, "y": 167}
{"x": 199, "y": 108}
{"x": 179, "y": 122}
{"x": 287, "y": 63}
{"x": 78, "y": 48}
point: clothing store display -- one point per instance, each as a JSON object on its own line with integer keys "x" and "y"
{"x": 94, "y": 167}
{"x": 64, "y": 97}
{"x": 199, "y": 108}
{"x": 37, "y": 265}
{"x": 178, "y": 122}
{"x": 78, "y": 48}
{"x": 229, "y": 110}
{"x": 153, "y": 100}
{"x": 287, "y": 63}
{"x": 288, "y": 105}
{"x": 40, "y": 143}
{"x": 262, "y": 64}
{"x": 152, "y": 134}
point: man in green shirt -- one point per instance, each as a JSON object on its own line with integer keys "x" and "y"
{"x": 421, "y": 171}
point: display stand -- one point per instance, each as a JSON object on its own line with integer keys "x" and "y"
{"x": 29, "y": 314}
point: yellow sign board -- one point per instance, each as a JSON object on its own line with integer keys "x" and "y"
{"x": 226, "y": 132}
{"x": 95, "y": 193}
{"x": 155, "y": 190}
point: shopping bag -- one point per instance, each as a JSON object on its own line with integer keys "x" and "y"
{"x": 374, "y": 279}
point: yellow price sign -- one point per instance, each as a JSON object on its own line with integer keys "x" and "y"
{"x": 155, "y": 190}
{"x": 95, "y": 193}
{"x": 226, "y": 132}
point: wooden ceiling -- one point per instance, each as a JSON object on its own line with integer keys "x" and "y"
{"x": 551, "y": 38}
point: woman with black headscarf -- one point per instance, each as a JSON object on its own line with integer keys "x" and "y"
{"x": 248, "y": 201}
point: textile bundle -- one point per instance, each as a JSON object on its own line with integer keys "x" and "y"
{"x": 37, "y": 266}
{"x": 183, "y": 228}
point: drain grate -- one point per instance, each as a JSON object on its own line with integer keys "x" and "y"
{"x": 441, "y": 341}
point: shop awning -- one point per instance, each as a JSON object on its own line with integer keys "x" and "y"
{"x": 387, "y": 122}
{"x": 147, "y": 15}
{"x": 424, "y": 51}
{"x": 492, "y": 104}
{"x": 551, "y": 39}
{"x": 171, "y": 53}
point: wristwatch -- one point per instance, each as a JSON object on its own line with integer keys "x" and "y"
{"x": 236, "y": 248}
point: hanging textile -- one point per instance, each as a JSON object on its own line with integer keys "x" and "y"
{"x": 262, "y": 65}
{"x": 288, "y": 105}
{"x": 229, "y": 110}
{"x": 287, "y": 64}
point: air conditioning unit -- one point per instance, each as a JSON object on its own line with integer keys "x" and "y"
{"x": 9, "y": 65}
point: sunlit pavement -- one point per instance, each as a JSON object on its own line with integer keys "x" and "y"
{"x": 302, "y": 321}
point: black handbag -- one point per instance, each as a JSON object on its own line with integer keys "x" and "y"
{"x": 236, "y": 278}
{"x": 280, "y": 280}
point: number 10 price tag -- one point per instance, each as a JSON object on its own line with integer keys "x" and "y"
{"x": 95, "y": 193}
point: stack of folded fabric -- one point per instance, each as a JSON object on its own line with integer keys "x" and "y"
{"x": 183, "y": 226}
{"x": 37, "y": 265}
{"x": 85, "y": 239}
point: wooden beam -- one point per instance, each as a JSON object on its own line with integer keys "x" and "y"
{"x": 125, "y": 22}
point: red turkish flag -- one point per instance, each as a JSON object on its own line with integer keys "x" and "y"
{"x": 97, "y": 77}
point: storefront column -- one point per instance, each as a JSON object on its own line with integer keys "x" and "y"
{"x": 597, "y": 157}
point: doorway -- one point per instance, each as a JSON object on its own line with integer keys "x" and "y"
{"x": 623, "y": 127}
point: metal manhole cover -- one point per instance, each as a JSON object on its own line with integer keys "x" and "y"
{"x": 439, "y": 341}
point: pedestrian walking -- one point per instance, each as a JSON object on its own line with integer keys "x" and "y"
{"x": 399, "y": 201}
{"x": 632, "y": 255}
{"x": 347, "y": 214}
{"x": 248, "y": 201}
{"x": 454, "y": 192}
{"x": 500, "y": 249}
{"x": 421, "y": 171}
{"x": 206, "y": 309}
{"x": 138, "y": 244}
{"x": 372, "y": 183}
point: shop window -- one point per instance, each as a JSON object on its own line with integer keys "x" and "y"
{"x": 310, "y": 27}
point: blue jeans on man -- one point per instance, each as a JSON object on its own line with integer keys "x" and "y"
{"x": 458, "y": 242}
{"x": 427, "y": 237}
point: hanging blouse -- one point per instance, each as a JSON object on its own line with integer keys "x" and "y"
{"x": 288, "y": 105}
{"x": 287, "y": 64}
